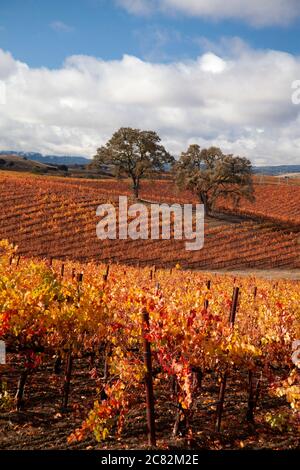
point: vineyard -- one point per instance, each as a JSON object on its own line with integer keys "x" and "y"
{"x": 56, "y": 217}
{"x": 108, "y": 356}
{"x": 149, "y": 233}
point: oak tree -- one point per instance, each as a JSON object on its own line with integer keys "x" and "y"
{"x": 134, "y": 153}
{"x": 210, "y": 174}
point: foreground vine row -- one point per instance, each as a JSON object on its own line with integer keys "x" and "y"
{"x": 71, "y": 311}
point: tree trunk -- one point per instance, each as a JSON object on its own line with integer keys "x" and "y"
{"x": 136, "y": 187}
{"x": 205, "y": 202}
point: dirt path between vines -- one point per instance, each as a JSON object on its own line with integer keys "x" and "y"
{"x": 42, "y": 426}
{"x": 292, "y": 274}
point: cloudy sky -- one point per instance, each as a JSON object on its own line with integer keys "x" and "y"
{"x": 205, "y": 71}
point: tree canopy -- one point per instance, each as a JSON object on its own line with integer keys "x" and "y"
{"x": 210, "y": 175}
{"x": 134, "y": 153}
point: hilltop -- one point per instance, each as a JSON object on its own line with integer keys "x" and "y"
{"x": 49, "y": 159}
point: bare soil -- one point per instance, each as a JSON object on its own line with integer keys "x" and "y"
{"x": 42, "y": 426}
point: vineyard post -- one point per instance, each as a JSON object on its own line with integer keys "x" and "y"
{"x": 206, "y": 303}
{"x": 107, "y": 350}
{"x": 253, "y": 396}
{"x": 234, "y": 305}
{"x": 73, "y": 274}
{"x": 105, "y": 276}
{"x": 20, "y": 390}
{"x": 79, "y": 282}
{"x": 67, "y": 380}
{"x": 18, "y": 260}
{"x": 69, "y": 359}
{"x": 148, "y": 381}
{"x": 62, "y": 270}
{"x": 153, "y": 272}
{"x": 221, "y": 398}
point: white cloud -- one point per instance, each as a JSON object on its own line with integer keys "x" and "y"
{"x": 255, "y": 12}
{"x": 61, "y": 27}
{"x": 212, "y": 63}
{"x": 8, "y": 66}
{"x": 241, "y": 103}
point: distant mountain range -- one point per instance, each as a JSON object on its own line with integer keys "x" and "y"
{"x": 49, "y": 159}
{"x": 70, "y": 160}
{"x": 276, "y": 170}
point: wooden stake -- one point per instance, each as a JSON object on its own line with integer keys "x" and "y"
{"x": 67, "y": 380}
{"x": 255, "y": 292}
{"x": 232, "y": 318}
{"x": 234, "y": 305}
{"x": 105, "y": 276}
{"x": 20, "y": 391}
{"x": 206, "y": 302}
{"x": 221, "y": 398}
{"x": 148, "y": 382}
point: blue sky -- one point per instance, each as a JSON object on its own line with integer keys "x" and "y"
{"x": 44, "y": 33}
{"x": 196, "y": 71}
